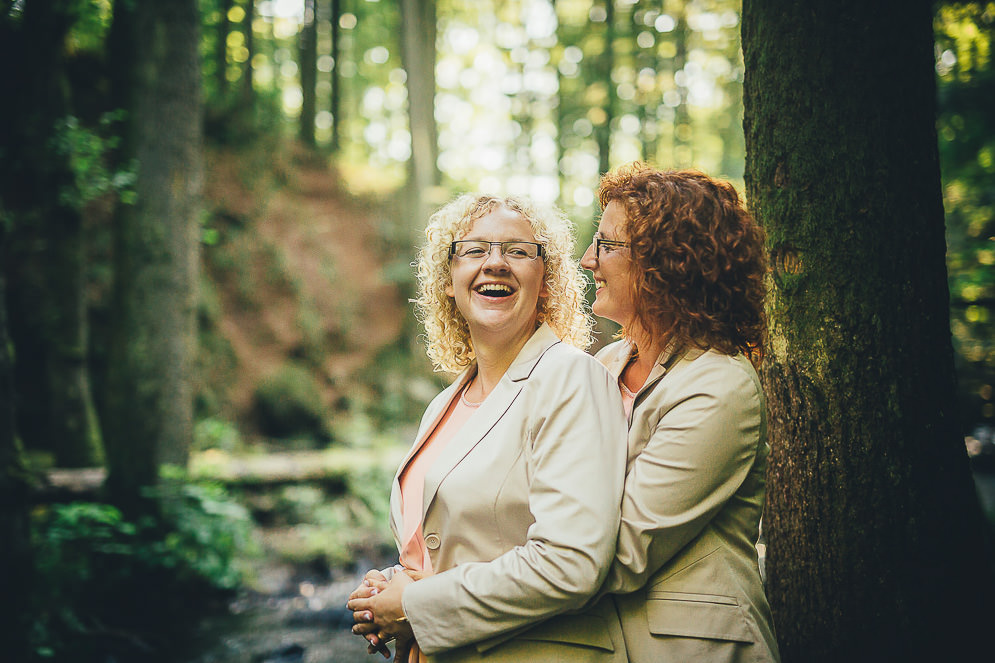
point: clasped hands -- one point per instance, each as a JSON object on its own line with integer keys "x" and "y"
{"x": 378, "y": 613}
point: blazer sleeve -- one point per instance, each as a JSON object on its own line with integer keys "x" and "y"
{"x": 697, "y": 456}
{"x": 576, "y": 463}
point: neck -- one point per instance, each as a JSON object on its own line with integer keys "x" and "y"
{"x": 494, "y": 357}
{"x": 648, "y": 350}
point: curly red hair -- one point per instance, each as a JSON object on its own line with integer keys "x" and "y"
{"x": 698, "y": 255}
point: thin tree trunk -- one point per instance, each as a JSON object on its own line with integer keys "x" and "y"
{"x": 335, "y": 103}
{"x": 309, "y": 72}
{"x": 603, "y": 131}
{"x": 221, "y": 52}
{"x": 683, "y": 151}
{"x": 150, "y": 372}
{"x": 248, "y": 93}
{"x": 875, "y": 548}
{"x": 418, "y": 32}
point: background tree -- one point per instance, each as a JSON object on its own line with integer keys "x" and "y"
{"x": 418, "y": 48}
{"x": 875, "y": 541}
{"x": 149, "y": 383}
{"x": 16, "y": 567}
{"x": 335, "y": 82}
{"x": 44, "y": 152}
{"x": 308, "y": 63}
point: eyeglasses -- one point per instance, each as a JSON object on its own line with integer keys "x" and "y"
{"x": 601, "y": 241}
{"x": 473, "y": 249}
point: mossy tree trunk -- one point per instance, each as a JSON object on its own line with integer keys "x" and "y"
{"x": 44, "y": 262}
{"x": 149, "y": 408}
{"x": 875, "y": 538}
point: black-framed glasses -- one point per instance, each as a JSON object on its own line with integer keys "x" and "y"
{"x": 601, "y": 241}
{"x": 478, "y": 249}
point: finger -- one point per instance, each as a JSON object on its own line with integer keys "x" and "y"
{"x": 374, "y": 574}
{"x": 362, "y": 616}
{"x": 377, "y": 646}
{"x": 358, "y": 605}
{"x": 363, "y": 592}
{"x": 364, "y": 629}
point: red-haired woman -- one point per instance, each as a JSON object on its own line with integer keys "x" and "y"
{"x": 679, "y": 264}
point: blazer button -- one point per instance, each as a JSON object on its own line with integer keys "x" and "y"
{"x": 432, "y": 541}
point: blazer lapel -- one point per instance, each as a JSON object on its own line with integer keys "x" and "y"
{"x": 429, "y": 422}
{"x": 490, "y": 412}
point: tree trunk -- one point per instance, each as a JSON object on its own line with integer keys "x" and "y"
{"x": 248, "y": 93}
{"x": 151, "y": 358}
{"x": 683, "y": 150}
{"x": 335, "y": 103}
{"x": 875, "y": 547}
{"x": 309, "y": 72}
{"x": 418, "y": 32}
{"x": 603, "y": 130}
{"x": 16, "y": 567}
{"x": 221, "y": 50}
{"x": 44, "y": 264}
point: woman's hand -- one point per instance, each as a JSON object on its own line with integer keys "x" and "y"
{"x": 382, "y": 609}
{"x": 372, "y": 584}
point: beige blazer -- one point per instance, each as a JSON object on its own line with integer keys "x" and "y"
{"x": 521, "y": 512}
{"x": 685, "y": 574}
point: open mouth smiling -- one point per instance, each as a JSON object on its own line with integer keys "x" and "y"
{"x": 494, "y": 290}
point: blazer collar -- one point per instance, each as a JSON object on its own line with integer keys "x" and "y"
{"x": 617, "y": 356}
{"x": 478, "y": 425}
{"x": 491, "y": 410}
{"x": 543, "y": 339}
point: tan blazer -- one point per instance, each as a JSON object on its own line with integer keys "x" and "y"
{"x": 685, "y": 574}
{"x": 521, "y": 514}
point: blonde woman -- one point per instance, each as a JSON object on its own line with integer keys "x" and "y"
{"x": 510, "y": 494}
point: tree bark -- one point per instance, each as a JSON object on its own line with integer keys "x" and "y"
{"x": 221, "y": 49}
{"x": 875, "y": 546}
{"x": 151, "y": 359}
{"x": 44, "y": 263}
{"x": 16, "y": 564}
{"x": 335, "y": 102}
{"x": 603, "y": 130}
{"x": 418, "y": 33}
{"x": 309, "y": 72}
{"x": 248, "y": 86}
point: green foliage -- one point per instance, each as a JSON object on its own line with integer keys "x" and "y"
{"x": 213, "y": 433}
{"x": 97, "y": 568}
{"x": 965, "y": 33}
{"x": 88, "y": 150}
{"x": 289, "y": 404}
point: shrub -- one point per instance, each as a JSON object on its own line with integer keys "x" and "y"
{"x": 289, "y": 404}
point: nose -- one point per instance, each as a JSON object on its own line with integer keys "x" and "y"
{"x": 495, "y": 258}
{"x": 588, "y": 260}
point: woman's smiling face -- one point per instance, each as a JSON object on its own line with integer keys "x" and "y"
{"x": 498, "y": 295}
{"x": 612, "y": 270}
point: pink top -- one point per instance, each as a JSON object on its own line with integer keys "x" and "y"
{"x": 628, "y": 398}
{"x": 414, "y": 554}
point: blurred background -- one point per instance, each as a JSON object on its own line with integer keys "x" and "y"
{"x": 331, "y": 129}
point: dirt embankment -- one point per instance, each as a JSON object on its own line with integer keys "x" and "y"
{"x": 296, "y": 268}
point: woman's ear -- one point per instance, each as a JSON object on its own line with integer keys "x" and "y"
{"x": 449, "y": 289}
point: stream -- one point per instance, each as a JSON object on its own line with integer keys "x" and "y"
{"x": 295, "y": 619}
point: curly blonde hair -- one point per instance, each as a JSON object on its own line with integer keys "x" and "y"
{"x": 564, "y": 308}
